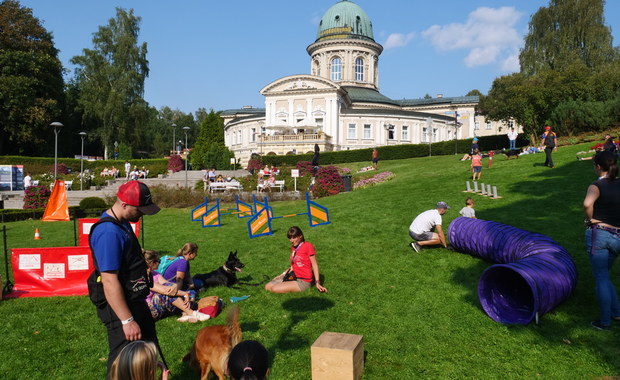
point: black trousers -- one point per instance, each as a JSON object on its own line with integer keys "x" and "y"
{"x": 116, "y": 336}
{"x": 548, "y": 159}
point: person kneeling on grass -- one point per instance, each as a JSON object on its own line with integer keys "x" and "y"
{"x": 426, "y": 228}
{"x": 304, "y": 269}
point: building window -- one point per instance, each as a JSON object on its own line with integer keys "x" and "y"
{"x": 434, "y": 134}
{"x": 477, "y": 126}
{"x": 239, "y": 141}
{"x": 489, "y": 126}
{"x": 352, "y": 132}
{"x": 336, "y": 69}
{"x": 390, "y": 132}
{"x": 263, "y": 130}
{"x": 253, "y": 134}
{"x": 367, "y": 131}
{"x": 424, "y": 134}
{"x": 511, "y": 124}
{"x": 405, "y": 133}
{"x": 359, "y": 70}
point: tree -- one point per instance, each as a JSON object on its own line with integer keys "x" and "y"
{"x": 31, "y": 83}
{"x": 565, "y": 32}
{"x": 111, "y": 79}
{"x": 209, "y": 150}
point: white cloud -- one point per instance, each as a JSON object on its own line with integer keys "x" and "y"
{"x": 396, "y": 40}
{"x": 489, "y": 34}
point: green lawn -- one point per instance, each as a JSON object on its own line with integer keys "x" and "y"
{"x": 419, "y": 313}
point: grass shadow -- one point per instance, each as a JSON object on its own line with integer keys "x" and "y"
{"x": 299, "y": 308}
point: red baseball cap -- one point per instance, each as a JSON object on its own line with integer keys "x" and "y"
{"x": 547, "y": 128}
{"x": 136, "y": 193}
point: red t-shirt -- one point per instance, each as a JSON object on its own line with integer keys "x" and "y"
{"x": 301, "y": 261}
{"x": 476, "y": 160}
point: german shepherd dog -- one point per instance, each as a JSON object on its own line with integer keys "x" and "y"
{"x": 213, "y": 345}
{"x": 226, "y": 275}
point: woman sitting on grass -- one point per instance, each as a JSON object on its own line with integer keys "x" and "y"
{"x": 178, "y": 271}
{"x": 304, "y": 269}
{"x": 166, "y": 299}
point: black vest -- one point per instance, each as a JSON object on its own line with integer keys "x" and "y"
{"x": 132, "y": 275}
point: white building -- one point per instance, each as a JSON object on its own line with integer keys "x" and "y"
{"x": 339, "y": 106}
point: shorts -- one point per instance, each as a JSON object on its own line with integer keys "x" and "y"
{"x": 424, "y": 236}
{"x": 304, "y": 285}
{"x": 477, "y": 169}
{"x": 375, "y": 160}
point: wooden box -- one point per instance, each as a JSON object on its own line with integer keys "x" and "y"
{"x": 337, "y": 356}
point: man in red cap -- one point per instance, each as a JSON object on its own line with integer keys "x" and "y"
{"x": 120, "y": 283}
{"x": 549, "y": 141}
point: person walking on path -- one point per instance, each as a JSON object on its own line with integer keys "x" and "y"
{"x": 426, "y": 228}
{"x": 549, "y": 141}
{"x": 120, "y": 283}
{"x": 375, "y": 158}
{"x": 512, "y": 138}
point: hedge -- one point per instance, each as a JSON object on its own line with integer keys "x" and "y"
{"x": 396, "y": 152}
{"x": 14, "y": 215}
{"x": 41, "y": 165}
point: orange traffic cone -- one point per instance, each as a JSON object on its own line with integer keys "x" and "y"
{"x": 37, "y": 235}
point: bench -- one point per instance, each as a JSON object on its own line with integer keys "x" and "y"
{"x": 224, "y": 186}
{"x": 278, "y": 184}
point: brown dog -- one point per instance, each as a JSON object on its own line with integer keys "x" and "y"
{"x": 213, "y": 345}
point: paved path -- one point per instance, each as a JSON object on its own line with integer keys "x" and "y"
{"x": 15, "y": 199}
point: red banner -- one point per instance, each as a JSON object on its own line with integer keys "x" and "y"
{"x": 84, "y": 226}
{"x": 45, "y": 272}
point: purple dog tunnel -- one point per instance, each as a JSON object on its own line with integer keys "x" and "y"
{"x": 532, "y": 276}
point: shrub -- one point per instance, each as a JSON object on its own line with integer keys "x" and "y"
{"x": 305, "y": 168}
{"x": 255, "y": 164}
{"x": 36, "y": 197}
{"x": 175, "y": 163}
{"x": 93, "y": 202}
{"x": 63, "y": 169}
{"x": 374, "y": 180}
{"x": 328, "y": 182}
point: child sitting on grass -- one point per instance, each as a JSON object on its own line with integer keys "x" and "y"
{"x": 468, "y": 211}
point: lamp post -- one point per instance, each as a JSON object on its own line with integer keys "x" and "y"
{"x": 56, "y": 125}
{"x": 174, "y": 128}
{"x": 82, "y": 135}
{"x": 186, "y": 129}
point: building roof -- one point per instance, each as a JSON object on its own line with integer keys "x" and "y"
{"x": 438, "y": 101}
{"x": 243, "y": 112}
{"x": 345, "y": 20}
{"x": 367, "y": 95}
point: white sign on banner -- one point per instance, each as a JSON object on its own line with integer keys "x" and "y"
{"x": 29, "y": 262}
{"x": 54, "y": 270}
{"x": 78, "y": 262}
{"x": 294, "y": 173}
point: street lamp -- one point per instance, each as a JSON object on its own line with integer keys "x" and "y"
{"x": 56, "y": 125}
{"x": 174, "y": 128}
{"x": 186, "y": 129}
{"x": 82, "y": 135}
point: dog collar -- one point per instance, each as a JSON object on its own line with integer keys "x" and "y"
{"x": 226, "y": 269}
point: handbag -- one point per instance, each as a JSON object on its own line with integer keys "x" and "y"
{"x": 289, "y": 276}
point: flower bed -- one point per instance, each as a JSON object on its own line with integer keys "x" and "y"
{"x": 374, "y": 180}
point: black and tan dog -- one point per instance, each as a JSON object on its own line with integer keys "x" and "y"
{"x": 226, "y": 275}
{"x": 511, "y": 153}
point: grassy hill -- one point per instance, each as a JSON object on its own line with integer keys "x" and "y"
{"x": 419, "y": 313}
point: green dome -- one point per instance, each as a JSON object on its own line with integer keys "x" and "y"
{"x": 345, "y": 20}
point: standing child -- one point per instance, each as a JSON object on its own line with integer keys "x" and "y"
{"x": 476, "y": 164}
{"x": 491, "y": 154}
{"x": 468, "y": 211}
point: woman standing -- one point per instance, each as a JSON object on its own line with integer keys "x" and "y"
{"x": 304, "y": 269}
{"x": 601, "y": 208}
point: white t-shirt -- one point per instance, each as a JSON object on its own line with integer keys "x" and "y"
{"x": 27, "y": 181}
{"x": 425, "y": 222}
{"x": 468, "y": 212}
{"x": 512, "y": 135}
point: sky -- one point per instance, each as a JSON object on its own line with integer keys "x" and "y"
{"x": 220, "y": 54}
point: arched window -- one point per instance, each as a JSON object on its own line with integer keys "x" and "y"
{"x": 336, "y": 69}
{"x": 317, "y": 68}
{"x": 359, "y": 70}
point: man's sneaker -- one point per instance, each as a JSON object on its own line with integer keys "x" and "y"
{"x": 599, "y": 326}
{"x": 416, "y": 247}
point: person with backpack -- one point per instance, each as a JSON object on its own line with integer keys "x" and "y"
{"x": 177, "y": 270}
{"x": 120, "y": 283}
{"x": 549, "y": 141}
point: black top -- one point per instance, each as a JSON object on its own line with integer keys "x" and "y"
{"x": 607, "y": 206}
